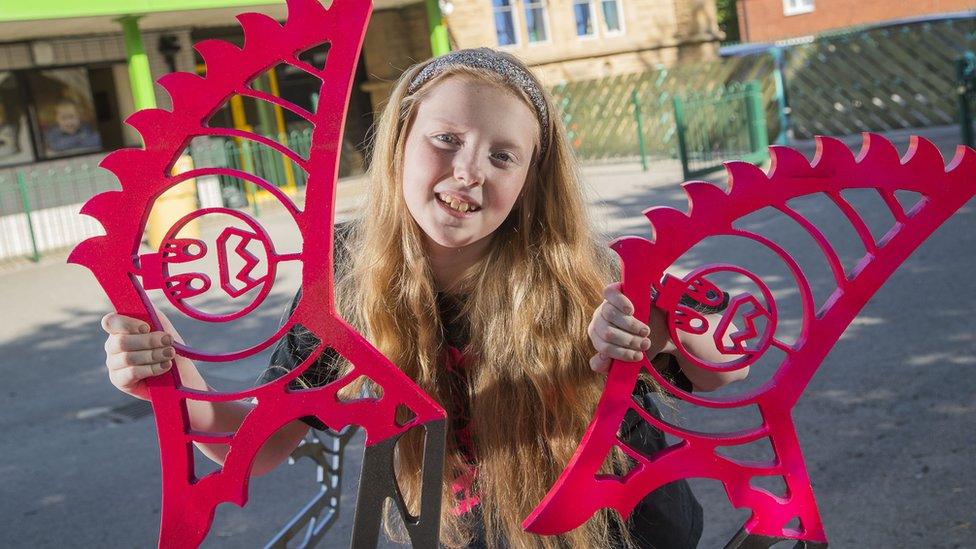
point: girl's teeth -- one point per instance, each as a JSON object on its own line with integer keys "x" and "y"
{"x": 455, "y": 204}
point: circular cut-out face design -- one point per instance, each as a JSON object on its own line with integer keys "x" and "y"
{"x": 215, "y": 267}
{"x": 466, "y": 157}
{"x": 754, "y": 310}
{"x": 235, "y": 281}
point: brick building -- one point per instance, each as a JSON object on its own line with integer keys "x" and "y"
{"x": 769, "y": 20}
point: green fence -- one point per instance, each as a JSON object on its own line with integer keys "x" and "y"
{"x": 877, "y": 79}
{"x": 254, "y": 158}
{"x": 39, "y": 206}
{"x": 727, "y": 124}
{"x": 630, "y": 117}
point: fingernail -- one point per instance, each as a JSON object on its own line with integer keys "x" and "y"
{"x": 168, "y": 352}
{"x": 167, "y": 339}
{"x": 143, "y": 329}
{"x": 166, "y": 365}
{"x": 646, "y": 344}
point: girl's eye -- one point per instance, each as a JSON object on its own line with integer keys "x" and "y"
{"x": 505, "y": 157}
{"x": 449, "y": 138}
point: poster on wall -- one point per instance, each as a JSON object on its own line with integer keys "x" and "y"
{"x": 15, "y": 147}
{"x": 65, "y": 112}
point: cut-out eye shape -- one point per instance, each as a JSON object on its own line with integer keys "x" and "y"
{"x": 184, "y": 286}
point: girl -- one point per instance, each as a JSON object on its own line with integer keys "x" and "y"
{"x": 474, "y": 211}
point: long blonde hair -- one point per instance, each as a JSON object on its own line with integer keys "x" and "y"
{"x": 526, "y": 305}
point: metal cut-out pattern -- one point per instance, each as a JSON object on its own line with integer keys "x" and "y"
{"x": 581, "y": 490}
{"x": 189, "y": 501}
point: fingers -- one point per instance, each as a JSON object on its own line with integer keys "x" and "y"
{"x": 613, "y": 343}
{"x": 611, "y": 336}
{"x": 620, "y": 313}
{"x": 130, "y": 355}
{"x": 127, "y": 379}
{"x": 599, "y": 363}
{"x": 146, "y": 357}
{"x": 625, "y": 322}
{"x": 614, "y": 331}
{"x": 122, "y": 343}
{"x": 133, "y": 353}
{"x": 114, "y": 323}
{"x": 615, "y": 297}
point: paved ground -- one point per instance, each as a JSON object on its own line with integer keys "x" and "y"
{"x": 886, "y": 424}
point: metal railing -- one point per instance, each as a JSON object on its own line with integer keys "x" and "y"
{"x": 626, "y": 118}
{"x": 40, "y": 204}
{"x": 40, "y": 207}
{"x": 728, "y": 124}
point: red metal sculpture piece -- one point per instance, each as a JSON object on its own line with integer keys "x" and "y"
{"x": 188, "y": 501}
{"x": 581, "y": 490}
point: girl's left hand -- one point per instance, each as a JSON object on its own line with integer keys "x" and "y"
{"x": 616, "y": 334}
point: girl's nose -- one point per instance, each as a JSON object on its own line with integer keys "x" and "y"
{"x": 468, "y": 168}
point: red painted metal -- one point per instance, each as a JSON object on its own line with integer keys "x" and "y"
{"x": 581, "y": 490}
{"x": 188, "y": 501}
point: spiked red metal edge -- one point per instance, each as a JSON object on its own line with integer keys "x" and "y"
{"x": 188, "y": 502}
{"x": 580, "y": 491}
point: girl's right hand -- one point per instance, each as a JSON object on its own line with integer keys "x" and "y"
{"x": 133, "y": 353}
{"x": 614, "y": 331}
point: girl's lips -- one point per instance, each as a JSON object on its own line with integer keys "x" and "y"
{"x": 453, "y": 212}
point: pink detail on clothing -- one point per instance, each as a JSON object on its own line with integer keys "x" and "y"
{"x": 463, "y": 485}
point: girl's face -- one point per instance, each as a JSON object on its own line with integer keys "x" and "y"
{"x": 466, "y": 158}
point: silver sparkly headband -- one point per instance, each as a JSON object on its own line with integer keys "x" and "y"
{"x": 486, "y": 59}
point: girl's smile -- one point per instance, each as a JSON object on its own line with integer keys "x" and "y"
{"x": 460, "y": 208}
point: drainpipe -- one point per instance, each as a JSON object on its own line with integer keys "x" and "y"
{"x": 439, "y": 44}
{"x": 140, "y": 77}
{"x": 176, "y": 201}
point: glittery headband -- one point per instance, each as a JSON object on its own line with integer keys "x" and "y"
{"x": 487, "y": 59}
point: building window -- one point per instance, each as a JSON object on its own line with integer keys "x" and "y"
{"x": 612, "y": 23}
{"x": 504, "y": 22}
{"x": 56, "y": 113}
{"x": 536, "y": 20}
{"x": 585, "y": 17}
{"x": 795, "y": 7}
{"x": 65, "y": 112}
{"x": 15, "y": 133}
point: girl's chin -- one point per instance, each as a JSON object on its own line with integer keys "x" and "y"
{"x": 458, "y": 238}
{"x": 445, "y": 241}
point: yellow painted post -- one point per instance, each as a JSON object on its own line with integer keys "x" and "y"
{"x": 289, "y": 186}
{"x": 172, "y": 205}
